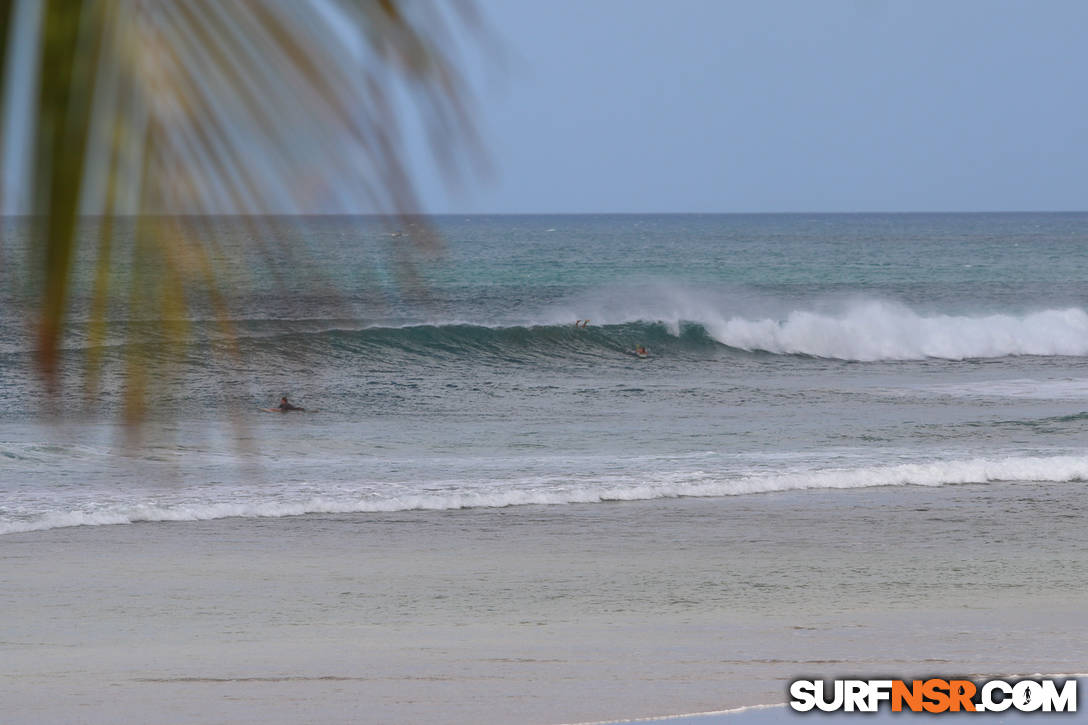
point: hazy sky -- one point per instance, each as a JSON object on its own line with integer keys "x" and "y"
{"x": 783, "y": 105}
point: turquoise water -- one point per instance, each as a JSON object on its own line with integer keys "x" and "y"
{"x": 785, "y": 352}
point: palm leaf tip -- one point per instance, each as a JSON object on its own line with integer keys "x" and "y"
{"x": 147, "y": 107}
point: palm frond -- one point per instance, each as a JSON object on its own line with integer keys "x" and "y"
{"x": 154, "y": 108}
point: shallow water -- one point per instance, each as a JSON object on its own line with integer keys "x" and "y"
{"x": 539, "y": 613}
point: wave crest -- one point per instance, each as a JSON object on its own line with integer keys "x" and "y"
{"x": 862, "y": 331}
{"x": 867, "y": 331}
{"x": 872, "y": 331}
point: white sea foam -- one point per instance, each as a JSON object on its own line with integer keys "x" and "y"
{"x": 871, "y": 331}
{"x": 671, "y": 485}
{"x": 859, "y": 329}
{"x": 680, "y": 719}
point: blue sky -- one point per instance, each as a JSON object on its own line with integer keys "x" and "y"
{"x": 782, "y": 105}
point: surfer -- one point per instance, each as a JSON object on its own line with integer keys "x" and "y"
{"x": 581, "y": 323}
{"x": 640, "y": 351}
{"x": 286, "y": 407}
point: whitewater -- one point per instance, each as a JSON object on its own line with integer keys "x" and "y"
{"x": 697, "y": 483}
{"x": 864, "y": 330}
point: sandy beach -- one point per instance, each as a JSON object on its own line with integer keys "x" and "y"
{"x": 535, "y": 614}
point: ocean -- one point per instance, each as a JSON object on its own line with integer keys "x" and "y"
{"x": 856, "y": 443}
{"x": 784, "y": 352}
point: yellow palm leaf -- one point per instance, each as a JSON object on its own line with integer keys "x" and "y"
{"x": 152, "y": 109}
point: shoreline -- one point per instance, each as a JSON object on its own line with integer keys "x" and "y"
{"x": 536, "y": 614}
{"x": 685, "y": 717}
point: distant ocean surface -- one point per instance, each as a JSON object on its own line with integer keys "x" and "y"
{"x": 784, "y": 352}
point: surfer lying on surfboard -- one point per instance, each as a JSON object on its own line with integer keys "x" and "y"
{"x": 286, "y": 407}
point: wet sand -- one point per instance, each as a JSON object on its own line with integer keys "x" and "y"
{"x": 538, "y": 614}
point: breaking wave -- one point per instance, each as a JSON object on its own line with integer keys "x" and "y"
{"x": 862, "y": 330}
{"x": 872, "y": 331}
{"x": 671, "y": 485}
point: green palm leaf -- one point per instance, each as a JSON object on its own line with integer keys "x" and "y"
{"x": 151, "y": 109}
